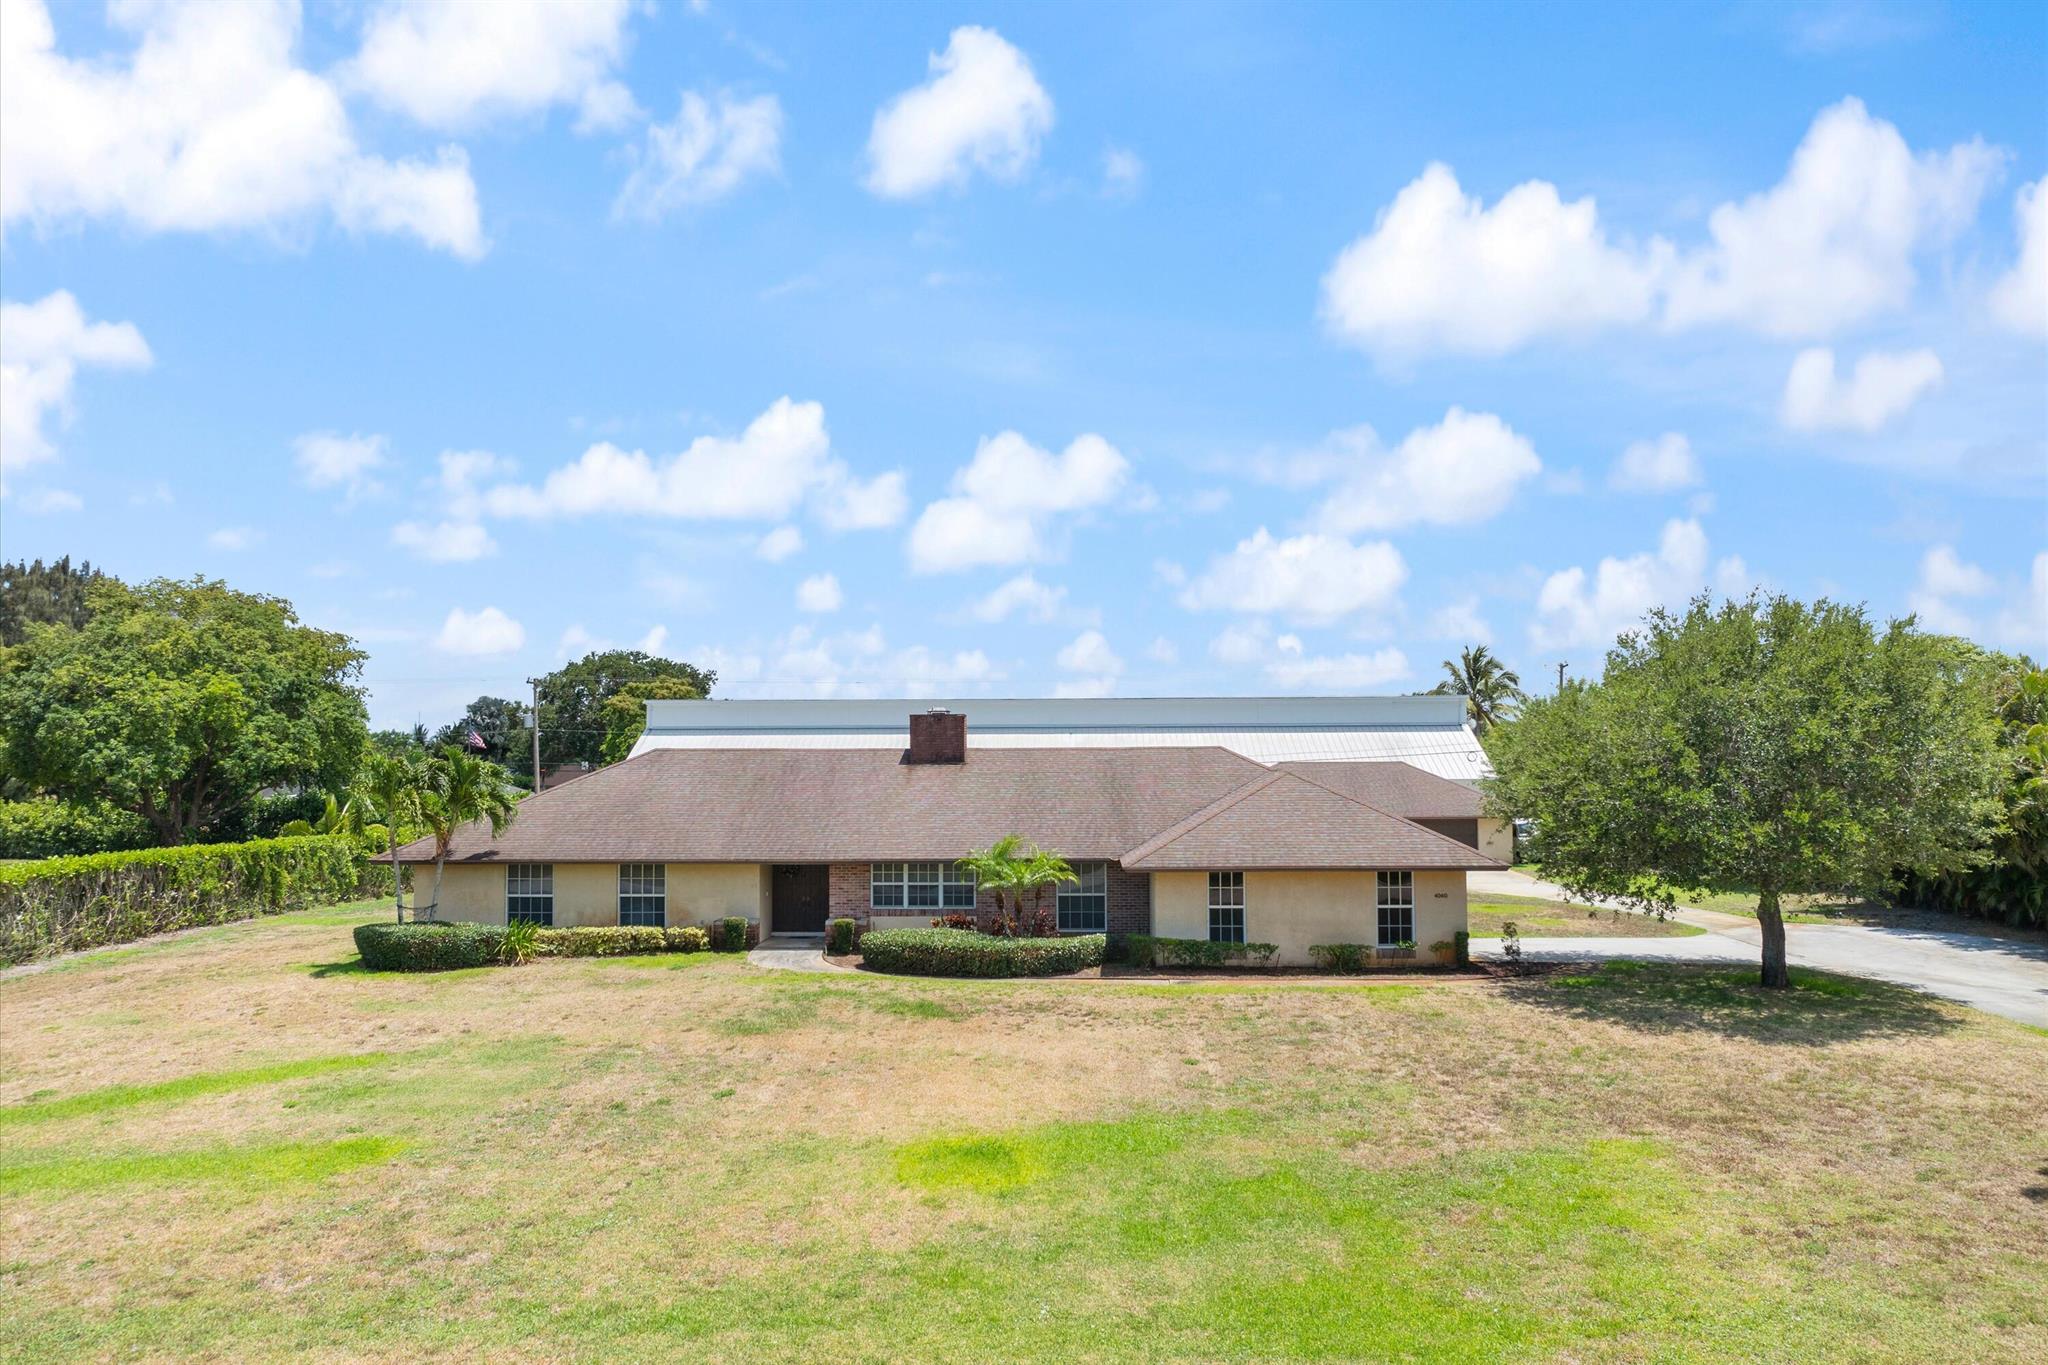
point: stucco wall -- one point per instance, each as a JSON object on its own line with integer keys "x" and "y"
{"x": 588, "y": 893}
{"x": 1296, "y": 909}
{"x": 1497, "y": 839}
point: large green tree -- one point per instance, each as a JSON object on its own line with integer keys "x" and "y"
{"x": 44, "y": 594}
{"x": 503, "y": 727}
{"x": 1490, "y": 688}
{"x": 180, "y": 701}
{"x": 573, "y": 723}
{"x": 1764, "y": 746}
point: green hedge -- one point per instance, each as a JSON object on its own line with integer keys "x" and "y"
{"x": 964, "y": 952}
{"x": 61, "y": 905}
{"x": 444, "y": 945}
{"x": 46, "y": 828}
{"x": 1146, "y": 951}
{"x": 841, "y": 935}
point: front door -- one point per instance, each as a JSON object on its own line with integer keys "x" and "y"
{"x": 799, "y": 902}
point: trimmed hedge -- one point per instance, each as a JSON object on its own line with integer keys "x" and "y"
{"x": 840, "y": 936}
{"x": 729, "y": 935}
{"x": 1145, "y": 950}
{"x": 61, "y": 905}
{"x": 46, "y": 828}
{"x": 444, "y": 945}
{"x": 964, "y": 952}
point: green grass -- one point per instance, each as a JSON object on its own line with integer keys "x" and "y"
{"x": 267, "y": 1164}
{"x": 1537, "y": 918}
{"x": 112, "y": 1097}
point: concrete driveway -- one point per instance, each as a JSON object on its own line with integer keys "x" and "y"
{"x": 2001, "y": 977}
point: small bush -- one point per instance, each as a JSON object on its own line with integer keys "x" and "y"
{"x": 434, "y": 947}
{"x": 840, "y": 935}
{"x": 1340, "y": 957}
{"x": 956, "y": 920}
{"x": 687, "y": 938}
{"x": 1461, "y": 948}
{"x": 521, "y": 942}
{"x": 1145, "y": 950}
{"x": 729, "y": 935}
{"x": 959, "y": 952}
{"x": 606, "y": 940}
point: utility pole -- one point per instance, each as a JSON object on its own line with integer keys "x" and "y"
{"x": 535, "y": 684}
{"x": 1560, "y": 675}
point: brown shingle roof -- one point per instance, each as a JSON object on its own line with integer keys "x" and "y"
{"x": 1396, "y": 788}
{"x": 1284, "y": 820}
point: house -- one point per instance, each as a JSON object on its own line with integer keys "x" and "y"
{"x": 1293, "y": 821}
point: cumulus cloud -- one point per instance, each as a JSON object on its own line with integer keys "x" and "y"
{"x": 1005, "y": 501}
{"x": 1664, "y": 465}
{"x": 852, "y": 664}
{"x": 451, "y": 66}
{"x": 845, "y": 503}
{"x": 781, "y": 459}
{"x": 1833, "y": 243}
{"x": 328, "y": 460}
{"x": 1123, "y": 173}
{"x": 42, "y": 346}
{"x": 2019, "y": 300}
{"x": 779, "y": 544}
{"x": 982, "y": 110}
{"x": 1879, "y": 390}
{"x": 233, "y": 538}
{"x": 1313, "y": 578}
{"x": 819, "y": 593}
{"x": 1088, "y": 655}
{"x": 445, "y": 542}
{"x": 1024, "y": 595}
{"x": 703, "y": 154}
{"x": 1294, "y": 669}
{"x": 488, "y": 631}
{"x": 1464, "y": 469}
{"x": 1460, "y": 620}
{"x": 1577, "y": 608}
{"x": 44, "y": 501}
{"x": 207, "y": 124}
{"x": 1945, "y": 584}
{"x": 2024, "y": 623}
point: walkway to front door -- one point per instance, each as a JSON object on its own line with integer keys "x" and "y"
{"x": 799, "y": 899}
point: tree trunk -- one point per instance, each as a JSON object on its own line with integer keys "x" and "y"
{"x": 1777, "y": 975}
{"x": 434, "y": 908}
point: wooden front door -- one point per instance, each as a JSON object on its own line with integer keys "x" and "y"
{"x": 800, "y": 901}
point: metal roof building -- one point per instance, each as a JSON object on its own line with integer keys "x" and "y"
{"x": 1427, "y": 731}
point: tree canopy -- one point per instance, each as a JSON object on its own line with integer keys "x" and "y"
{"x": 180, "y": 700}
{"x": 574, "y": 726}
{"x": 44, "y": 594}
{"x": 1765, "y": 746}
{"x": 1490, "y": 688}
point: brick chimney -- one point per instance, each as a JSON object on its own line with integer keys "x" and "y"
{"x": 937, "y": 736}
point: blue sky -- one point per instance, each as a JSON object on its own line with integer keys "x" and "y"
{"x": 1007, "y": 350}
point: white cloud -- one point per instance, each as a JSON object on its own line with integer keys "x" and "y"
{"x": 1296, "y": 670}
{"x": 44, "y": 501}
{"x": 1945, "y": 577}
{"x": 1440, "y": 272}
{"x": 983, "y": 109}
{"x": 1573, "y": 608}
{"x": 783, "y": 457}
{"x": 1243, "y": 642}
{"x": 819, "y": 593}
{"x": 1880, "y": 389}
{"x": 42, "y": 345}
{"x": 653, "y": 640}
{"x": 1311, "y": 577}
{"x": 1464, "y": 469}
{"x": 1664, "y": 465}
{"x": 445, "y": 542}
{"x": 451, "y": 65}
{"x": 1460, "y": 620}
{"x": 1123, "y": 172}
{"x": 779, "y": 544}
{"x": 1833, "y": 243}
{"x": 208, "y": 124}
{"x": 577, "y": 642}
{"x": 2019, "y": 300}
{"x": 488, "y": 631}
{"x": 1006, "y": 499}
{"x": 329, "y": 460}
{"x": 1089, "y": 652}
{"x": 703, "y": 154}
{"x": 1022, "y": 594}
{"x": 1162, "y": 651}
{"x": 2024, "y": 623}
{"x": 844, "y": 503}
{"x": 853, "y": 664}
{"x": 234, "y": 537}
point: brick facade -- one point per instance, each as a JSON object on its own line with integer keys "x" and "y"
{"x": 1130, "y": 901}
{"x": 1130, "y": 898}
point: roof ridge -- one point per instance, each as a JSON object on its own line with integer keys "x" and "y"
{"x": 1361, "y": 801}
{"x": 1188, "y": 824}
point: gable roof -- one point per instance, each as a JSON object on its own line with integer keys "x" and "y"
{"x": 1398, "y": 788}
{"x": 1284, "y": 820}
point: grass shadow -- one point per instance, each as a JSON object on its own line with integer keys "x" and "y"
{"x": 352, "y": 966}
{"x": 1820, "y": 1009}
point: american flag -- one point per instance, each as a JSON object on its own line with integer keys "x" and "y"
{"x": 476, "y": 742}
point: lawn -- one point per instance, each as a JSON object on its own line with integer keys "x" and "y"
{"x": 1539, "y": 918}
{"x": 240, "y": 1145}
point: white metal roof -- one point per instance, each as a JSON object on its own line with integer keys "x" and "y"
{"x": 1427, "y": 731}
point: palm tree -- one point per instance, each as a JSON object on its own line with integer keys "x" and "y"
{"x": 396, "y": 784}
{"x": 1490, "y": 688}
{"x": 1036, "y": 871}
{"x": 994, "y": 868}
{"x": 462, "y": 789}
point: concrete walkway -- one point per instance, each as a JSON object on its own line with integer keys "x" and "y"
{"x": 1996, "y": 975}
{"x": 792, "y": 955}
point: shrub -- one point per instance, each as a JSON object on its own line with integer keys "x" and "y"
{"x": 687, "y": 938}
{"x": 520, "y": 943}
{"x": 1145, "y": 950}
{"x": 729, "y": 935}
{"x": 1340, "y": 957}
{"x": 430, "y": 947}
{"x": 65, "y": 904}
{"x": 46, "y": 828}
{"x": 602, "y": 940}
{"x": 963, "y": 952}
{"x": 1461, "y": 948}
{"x": 956, "y": 920}
{"x": 840, "y": 935}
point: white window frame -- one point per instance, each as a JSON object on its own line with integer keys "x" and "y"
{"x": 644, "y": 882}
{"x": 1082, "y": 908}
{"x": 1226, "y": 894}
{"x": 913, "y": 888}
{"x": 534, "y": 882}
{"x": 1395, "y": 892}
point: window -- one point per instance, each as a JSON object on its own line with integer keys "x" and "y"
{"x": 1397, "y": 908}
{"x": 919, "y": 886}
{"x": 530, "y": 893}
{"x": 643, "y": 894}
{"x": 1226, "y": 907}
{"x": 1084, "y": 904}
